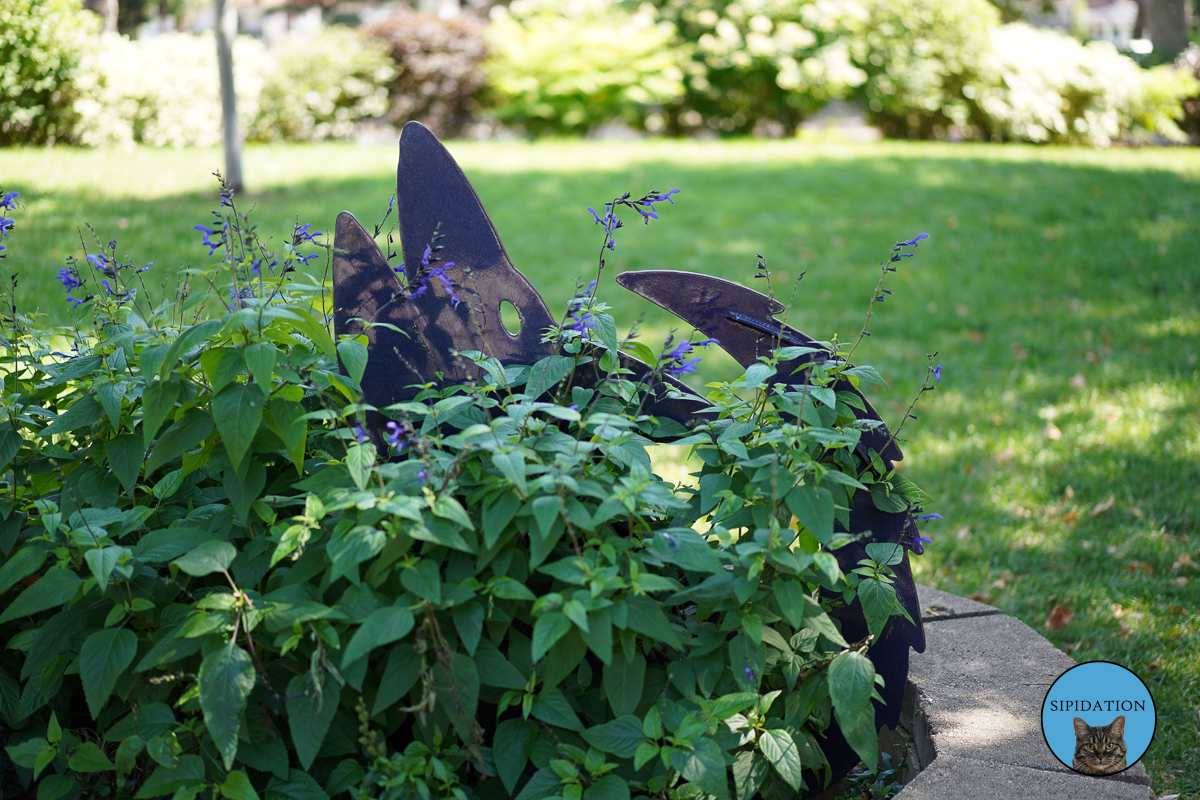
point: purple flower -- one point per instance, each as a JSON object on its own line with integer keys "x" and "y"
{"x": 439, "y": 272}
{"x": 77, "y": 301}
{"x": 208, "y": 233}
{"x": 676, "y": 362}
{"x": 658, "y": 198}
{"x": 928, "y": 516}
{"x": 422, "y": 475}
{"x": 107, "y": 288}
{"x": 99, "y": 262}
{"x": 6, "y": 225}
{"x": 937, "y": 372}
{"x": 9, "y": 200}
{"x": 359, "y": 434}
{"x": 917, "y": 543}
{"x": 69, "y": 278}
{"x": 913, "y": 241}
{"x": 646, "y": 215}
{"x": 749, "y": 673}
{"x": 398, "y": 434}
{"x": 300, "y": 233}
{"x": 255, "y": 267}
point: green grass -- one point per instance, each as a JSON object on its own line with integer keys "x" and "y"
{"x": 1060, "y": 286}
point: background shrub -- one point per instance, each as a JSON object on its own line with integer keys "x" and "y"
{"x": 757, "y": 65}
{"x": 152, "y": 90}
{"x": 1189, "y": 120}
{"x": 319, "y": 86}
{"x": 438, "y": 68}
{"x": 41, "y": 45}
{"x": 1041, "y": 86}
{"x": 567, "y": 66}
{"x": 918, "y": 56}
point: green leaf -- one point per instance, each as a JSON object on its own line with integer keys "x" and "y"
{"x": 208, "y": 557}
{"x": 56, "y": 587}
{"x": 401, "y": 674}
{"x": 226, "y": 678}
{"x": 511, "y": 749}
{"x": 750, "y": 769}
{"x": 287, "y": 419}
{"x": 458, "y": 693}
{"x": 447, "y": 507}
{"x": 757, "y": 375}
{"x": 687, "y": 549}
{"x": 352, "y": 356}
{"x": 621, "y": 737}
{"x": 497, "y": 513}
{"x": 101, "y": 561}
{"x": 312, "y": 704}
{"x": 549, "y": 628}
{"x": 105, "y": 655}
{"x": 623, "y": 680}
{"x": 183, "y": 435}
{"x": 866, "y": 374}
{"x": 186, "y": 341}
{"x": 347, "y": 775}
{"x": 647, "y": 617}
{"x": 851, "y": 682}
{"x": 468, "y": 621}
{"x": 360, "y": 460}
{"x": 495, "y": 669}
{"x": 553, "y": 707}
{"x": 23, "y": 564}
{"x": 746, "y": 654}
{"x": 506, "y": 588}
{"x": 423, "y": 580}
{"x": 512, "y": 466}
{"x": 878, "y": 599}
{"x": 260, "y": 360}
{"x": 158, "y": 401}
{"x": 704, "y": 766}
{"x": 779, "y": 749}
{"x": 383, "y": 626}
{"x": 816, "y": 618}
{"x": 813, "y": 507}
{"x": 110, "y": 396}
{"x": 352, "y": 548}
{"x": 89, "y": 758}
{"x": 891, "y": 502}
{"x": 85, "y": 411}
{"x": 222, "y": 365}
{"x": 243, "y": 492}
{"x": 885, "y": 553}
{"x": 10, "y": 443}
{"x": 790, "y": 596}
{"x": 546, "y": 374}
{"x": 167, "y": 780}
{"x": 298, "y": 786}
{"x": 544, "y": 783}
{"x": 237, "y": 786}
{"x": 238, "y": 409}
{"x": 609, "y": 787}
{"x": 126, "y": 454}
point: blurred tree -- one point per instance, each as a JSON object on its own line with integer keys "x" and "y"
{"x": 225, "y": 14}
{"x": 1166, "y": 27}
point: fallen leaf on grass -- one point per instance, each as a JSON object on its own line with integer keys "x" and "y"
{"x": 1136, "y": 511}
{"x": 1100, "y": 508}
{"x": 1140, "y": 566}
{"x": 999, "y": 584}
{"x": 1059, "y": 617}
{"x": 1168, "y": 797}
{"x": 1069, "y": 493}
{"x": 1125, "y": 630}
{"x": 981, "y": 597}
{"x": 1181, "y": 581}
{"x": 1183, "y": 561}
{"x": 963, "y": 532}
{"x": 1052, "y": 432}
{"x": 1154, "y": 665}
{"x": 1077, "y": 381}
{"x": 1070, "y": 516}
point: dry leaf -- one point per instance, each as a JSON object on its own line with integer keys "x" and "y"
{"x": 1111, "y": 550}
{"x": 1125, "y": 630}
{"x": 1154, "y": 665}
{"x": 1069, "y": 493}
{"x": 1140, "y": 566}
{"x": 1087, "y": 545}
{"x": 1006, "y": 454}
{"x": 1183, "y": 561}
{"x": 999, "y": 584}
{"x": 1077, "y": 381}
{"x": 1019, "y": 352}
{"x": 1137, "y": 512}
{"x": 1007, "y": 575}
{"x": 1100, "y": 508}
{"x": 1181, "y": 581}
{"x": 1052, "y": 432}
{"x": 1168, "y": 797}
{"x": 981, "y": 597}
{"x": 963, "y": 532}
{"x": 1070, "y": 516}
{"x": 1059, "y": 617}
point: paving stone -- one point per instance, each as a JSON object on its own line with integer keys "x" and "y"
{"x": 987, "y": 651}
{"x": 950, "y": 778}
{"x": 939, "y": 605}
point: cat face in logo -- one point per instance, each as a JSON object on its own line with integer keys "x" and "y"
{"x": 1099, "y": 750}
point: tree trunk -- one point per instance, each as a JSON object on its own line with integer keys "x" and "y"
{"x": 110, "y": 15}
{"x": 1166, "y": 27}
{"x": 225, "y": 13}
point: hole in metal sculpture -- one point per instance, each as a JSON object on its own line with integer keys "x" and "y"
{"x": 511, "y": 317}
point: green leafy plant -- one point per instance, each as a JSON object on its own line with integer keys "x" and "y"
{"x": 216, "y": 582}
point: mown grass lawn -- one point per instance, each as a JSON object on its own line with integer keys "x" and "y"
{"x": 1061, "y": 288}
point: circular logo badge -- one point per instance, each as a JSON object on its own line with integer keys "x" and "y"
{"x": 1098, "y": 718}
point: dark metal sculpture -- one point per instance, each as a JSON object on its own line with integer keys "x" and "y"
{"x": 419, "y": 343}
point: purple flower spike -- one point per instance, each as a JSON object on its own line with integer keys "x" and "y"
{"x": 360, "y": 434}
{"x": 8, "y": 200}
{"x": 928, "y": 516}
{"x": 69, "y": 278}
{"x": 913, "y": 241}
{"x": 937, "y": 372}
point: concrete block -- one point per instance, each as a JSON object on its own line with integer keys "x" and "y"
{"x": 951, "y": 778}
{"x": 939, "y": 605}
{"x": 987, "y": 651}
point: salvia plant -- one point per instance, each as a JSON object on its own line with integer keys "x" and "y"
{"x": 215, "y": 583}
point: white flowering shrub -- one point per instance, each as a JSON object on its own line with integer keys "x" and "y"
{"x": 318, "y": 87}
{"x": 163, "y": 90}
{"x": 565, "y": 66}
{"x": 1042, "y": 86}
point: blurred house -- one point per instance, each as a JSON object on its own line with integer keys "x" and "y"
{"x": 1105, "y": 20}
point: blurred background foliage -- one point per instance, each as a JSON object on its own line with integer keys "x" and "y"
{"x": 920, "y": 69}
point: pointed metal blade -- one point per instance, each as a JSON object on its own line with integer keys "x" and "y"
{"x": 743, "y": 321}
{"x": 433, "y": 194}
